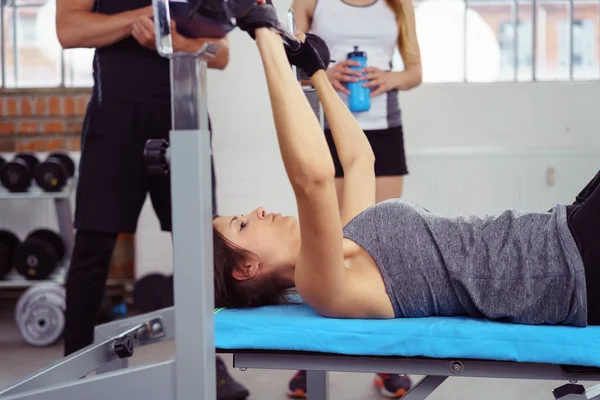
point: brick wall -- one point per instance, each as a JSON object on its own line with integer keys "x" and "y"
{"x": 42, "y": 119}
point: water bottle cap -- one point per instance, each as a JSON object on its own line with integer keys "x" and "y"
{"x": 357, "y": 53}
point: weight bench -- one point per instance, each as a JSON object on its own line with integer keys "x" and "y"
{"x": 295, "y": 337}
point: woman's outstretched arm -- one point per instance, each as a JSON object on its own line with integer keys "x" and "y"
{"x": 303, "y": 147}
{"x": 320, "y": 272}
{"x": 353, "y": 148}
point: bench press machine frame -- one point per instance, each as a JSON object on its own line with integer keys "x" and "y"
{"x": 191, "y": 375}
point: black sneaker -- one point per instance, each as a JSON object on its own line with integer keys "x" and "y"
{"x": 297, "y": 386}
{"x": 393, "y": 386}
{"x": 227, "y": 387}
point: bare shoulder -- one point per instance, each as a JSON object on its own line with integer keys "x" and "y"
{"x": 303, "y": 12}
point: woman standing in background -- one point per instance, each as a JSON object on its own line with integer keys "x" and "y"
{"x": 377, "y": 28}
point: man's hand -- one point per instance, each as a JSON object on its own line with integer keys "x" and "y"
{"x": 143, "y": 31}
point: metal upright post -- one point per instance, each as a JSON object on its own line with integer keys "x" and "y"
{"x": 195, "y": 375}
{"x": 534, "y": 22}
{"x": 291, "y": 24}
{"x": 571, "y": 38}
{"x": 516, "y": 40}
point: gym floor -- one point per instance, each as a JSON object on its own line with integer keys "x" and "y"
{"x": 19, "y": 359}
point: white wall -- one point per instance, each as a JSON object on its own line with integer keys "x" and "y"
{"x": 446, "y": 126}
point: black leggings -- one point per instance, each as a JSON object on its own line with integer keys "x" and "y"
{"x": 584, "y": 221}
{"x": 86, "y": 280}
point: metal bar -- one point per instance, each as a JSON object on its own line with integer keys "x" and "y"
{"x": 65, "y": 223}
{"x": 192, "y": 242}
{"x": 317, "y": 384}
{"x": 115, "y": 328}
{"x": 114, "y": 365}
{"x": 191, "y": 195}
{"x": 154, "y": 381}
{"x": 593, "y": 392}
{"x": 62, "y": 68}
{"x": 291, "y": 24}
{"x": 426, "y": 386}
{"x": 415, "y": 366}
{"x": 15, "y": 48}
{"x": 112, "y": 329}
{"x": 465, "y": 25}
{"x": 2, "y": 48}
{"x": 73, "y": 367}
{"x": 571, "y": 40}
{"x": 516, "y": 40}
{"x": 534, "y": 40}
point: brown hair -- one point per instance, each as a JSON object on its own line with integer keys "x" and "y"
{"x": 233, "y": 293}
{"x": 402, "y": 20}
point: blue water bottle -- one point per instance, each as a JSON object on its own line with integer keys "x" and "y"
{"x": 360, "y": 97}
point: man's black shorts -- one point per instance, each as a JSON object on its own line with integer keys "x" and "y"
{"x": 113, "y": 182}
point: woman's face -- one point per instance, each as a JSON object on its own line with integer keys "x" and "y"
{"x": 273, "y": 238}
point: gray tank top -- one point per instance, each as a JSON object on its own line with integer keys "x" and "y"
{"x": 516, "y": 267}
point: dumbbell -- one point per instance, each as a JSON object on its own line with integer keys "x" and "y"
{"x": 8, "y": 244}
{"x": 37, "y": 257}
{"x": 52, "y": 174}
{"x": 17, "y": 174}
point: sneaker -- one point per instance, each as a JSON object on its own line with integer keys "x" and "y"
{"x": 393, "y": 386}
{"x": 297, "y": 386}
{"x": 227, "y": 387}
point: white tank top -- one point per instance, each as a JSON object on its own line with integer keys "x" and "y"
{"x": 373, "y": 28}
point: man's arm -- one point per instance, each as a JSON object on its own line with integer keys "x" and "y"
{"x": 143, "y": 31}
{"x": 78, "y": 26}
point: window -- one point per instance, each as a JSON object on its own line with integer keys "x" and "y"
{"x": 460, "y": 40}
{"x": 521, "y": 44}
{"x": 584, "y": 42}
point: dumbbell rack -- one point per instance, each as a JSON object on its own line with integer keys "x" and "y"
{"x": 65, "y": 226}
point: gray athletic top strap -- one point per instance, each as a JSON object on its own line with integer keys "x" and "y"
{"x": 515, "y": 267}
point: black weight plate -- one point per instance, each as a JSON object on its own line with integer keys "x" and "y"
{"x": 52, "y": 238}
{"x": 31, "y": 160}
{"x": 15, "y": 176}
{"x": 2, "y": 162}
{"x": 8, "y": 244}
{"x": 151, "y": 293}
{"x": 5, "y": 260}
{"x": 35, "y": 259}
{"x": 67, "y": 161}
{"x": 51, "y": 175}
{"x": 9, "y": 239}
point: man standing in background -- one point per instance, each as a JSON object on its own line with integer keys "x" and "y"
{"x": 130, "y": 103}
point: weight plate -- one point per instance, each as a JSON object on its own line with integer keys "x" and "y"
{"x": 9, "y": 239}
{"x": 42, "y": 324}
{"x": 52, "y": 298}
{"x": 51, "y": 237}
{"x": 66, "y": 160}
{"x": 31, "y": 160}
{"x": 41, "y": 293}
{"x": 5, "y": 260}
{"x": 35, "y": 259}
{"x": 2, "y": 162}
{"x": 15, "y": 176}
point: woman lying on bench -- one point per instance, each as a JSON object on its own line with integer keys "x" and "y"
{"x": 393, "y": 259}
